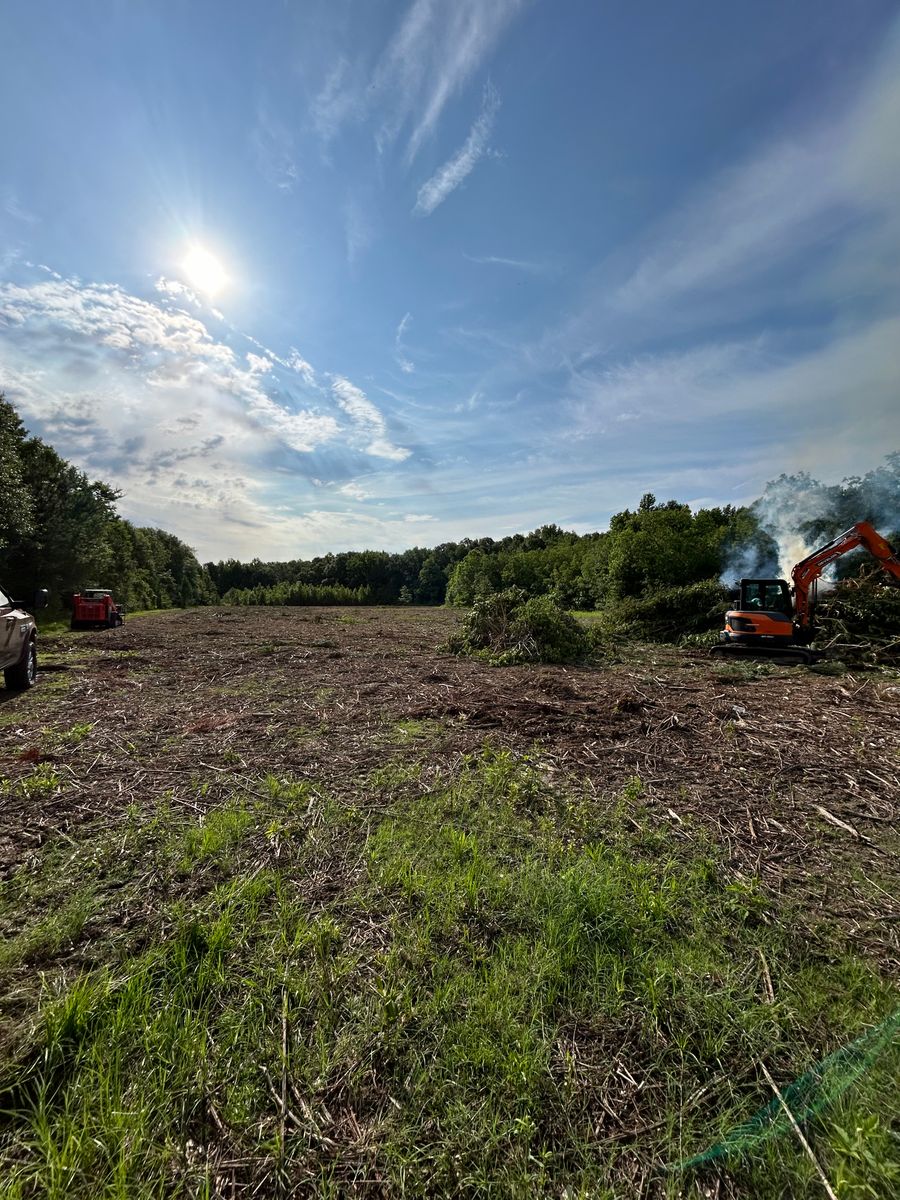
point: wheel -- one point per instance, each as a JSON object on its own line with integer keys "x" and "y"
{"x": 24, "y": 673}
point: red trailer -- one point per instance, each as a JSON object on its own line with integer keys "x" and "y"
{"x": 96, "y": 609}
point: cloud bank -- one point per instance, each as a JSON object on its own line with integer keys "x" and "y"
{"x": 197, "y": 433}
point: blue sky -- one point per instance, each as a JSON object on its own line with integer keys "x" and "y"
{"x": 489, "y": 263}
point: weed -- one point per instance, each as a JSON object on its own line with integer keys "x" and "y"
{"x": 45, "y": 937}
{"x": 217, "y": 833}
{"x": 43, "y": 781}
{"x": 414, "y": 729}
{"x": 77, "y": 733}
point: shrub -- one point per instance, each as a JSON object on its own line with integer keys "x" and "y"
{"x": 670, "y": 614}
{"x": 507, "y": 627}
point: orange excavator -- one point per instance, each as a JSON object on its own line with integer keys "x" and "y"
{"x": 778, "y": 621}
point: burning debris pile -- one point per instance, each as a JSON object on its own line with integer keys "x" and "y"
{"x": 859, "y": 622}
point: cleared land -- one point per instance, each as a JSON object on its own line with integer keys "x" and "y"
{"x": 294, "y": 903}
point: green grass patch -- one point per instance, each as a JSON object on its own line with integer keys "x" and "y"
{"x": 478, "y": 985}
{"x": 415, "y": 729}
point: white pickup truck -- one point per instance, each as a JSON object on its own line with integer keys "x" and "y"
{"x": 18, "y": 640}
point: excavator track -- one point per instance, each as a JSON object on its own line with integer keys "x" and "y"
{"x": 788, "y": 655}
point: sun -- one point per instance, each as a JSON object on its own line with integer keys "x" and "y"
{"x": 204, "y": 271}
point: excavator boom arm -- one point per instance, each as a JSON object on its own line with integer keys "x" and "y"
{"x": 808, "y": 570}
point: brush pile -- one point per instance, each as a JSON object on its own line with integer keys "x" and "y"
{"x": 859, "y": 622}
{"x": 508, "y": 627}
{"x": 669, "y": 615}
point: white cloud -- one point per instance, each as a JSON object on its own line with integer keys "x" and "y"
{"x": 417, "y": 518}
{"x": 832, "y": 409}
{"x": 337, "y": 102}
{"x": 259, "y": 364}
{"x": 367, "y": 419}
{"x": 516, "y": 264}
{"x": 838, "y": 175}
{"x": 174, "y": 290}
{"x": 9, "y": 203}
{"x": 298, "y": 363}
{"x": 434, "y": 53}
{"x": 448, "y": 177}
{"x": 355, "y": 491}
{"x": 406, "y": 365}
{"x": 139, "y": 393}
{"x": 749, "y": 219}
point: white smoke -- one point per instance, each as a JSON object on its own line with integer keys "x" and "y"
{"x": 800, "y": 514}
{"x": 788, "y": 506}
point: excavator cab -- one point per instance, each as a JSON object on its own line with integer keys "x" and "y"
{"x": 763, "y": 616}
{"x": 765, "y": 595}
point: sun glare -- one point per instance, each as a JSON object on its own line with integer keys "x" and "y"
{"x": 204, "y": 271}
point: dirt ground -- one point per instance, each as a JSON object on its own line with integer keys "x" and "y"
{"x": 796, "y": 774}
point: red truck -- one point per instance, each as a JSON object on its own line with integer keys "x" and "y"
{"x": 95, "y": 608}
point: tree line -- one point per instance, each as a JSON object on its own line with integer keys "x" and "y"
{"x": 660, "y": 553}
{"x": 61, "y": 530}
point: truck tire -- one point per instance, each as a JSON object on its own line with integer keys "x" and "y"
{"x": 23, "y": 674}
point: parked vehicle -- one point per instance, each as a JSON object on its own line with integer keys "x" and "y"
{"x": 18, "y": 639}
{"x": 94, "y": 608}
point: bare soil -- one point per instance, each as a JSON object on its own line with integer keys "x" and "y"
{"x": 795, "y": 774}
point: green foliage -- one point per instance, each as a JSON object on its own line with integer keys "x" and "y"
{"x": 650, "y": 571}
{"x": 509, "y": 627}
{"x": 294, "y": 594}
{"x": 17, "y": 505}
{"x": 375, "y": 576}
{"x": 669, "y": 614}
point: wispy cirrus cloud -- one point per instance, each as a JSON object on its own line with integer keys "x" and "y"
{"x": 747, "y": 220}
{"x": 368, "y": 420}
{"x": 338, "y": 100}
{"x": 435, "y": 51}
{"x": 514, "y": 264}
{"x": 760, "y": 387}
{"x": 404, "y": 362}
{"x": 11, "y": 205}
{"x": 837, "y": 177}
{"x": 807, "y": 221}
{"x": 457, "y": 169}
{"x": 273, "y": 144}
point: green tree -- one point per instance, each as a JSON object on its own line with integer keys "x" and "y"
{"x": 16, "y": 504}
{"x": 479, "y": 574}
